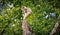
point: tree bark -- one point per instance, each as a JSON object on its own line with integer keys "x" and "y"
{"x": 27, "y": 29}
{"x": 56, "y": 29}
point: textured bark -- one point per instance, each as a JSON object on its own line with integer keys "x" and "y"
{"x": 56, "y": 29}
{"x": 27, "y": 29}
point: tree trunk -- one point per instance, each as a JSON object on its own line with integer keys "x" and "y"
{"x": 27, "y": 29}
{"x": 56, "y": 29}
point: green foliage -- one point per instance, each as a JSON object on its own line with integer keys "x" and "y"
{"x": 43, "y": 17}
